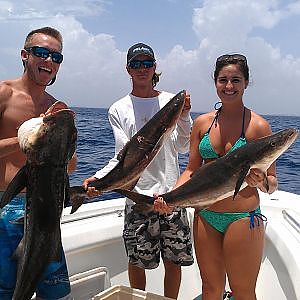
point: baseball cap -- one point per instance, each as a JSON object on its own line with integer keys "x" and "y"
{"x": 138, "y": 49}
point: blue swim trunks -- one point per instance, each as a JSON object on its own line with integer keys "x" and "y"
{"x": 55, "y": 280}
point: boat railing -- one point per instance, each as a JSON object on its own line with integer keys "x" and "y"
{"x": 292, "y": 218}
{"x": 91, "y": 214}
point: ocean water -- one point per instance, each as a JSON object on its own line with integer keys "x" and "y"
{"x": 95, "y": 146}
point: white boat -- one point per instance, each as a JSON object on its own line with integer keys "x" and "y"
{"x": 97, "y": 262}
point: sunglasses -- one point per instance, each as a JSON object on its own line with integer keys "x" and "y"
{"x": 232, "y": 57}
{"x": 43, "y": 52}
{"x": 136, "y": 64}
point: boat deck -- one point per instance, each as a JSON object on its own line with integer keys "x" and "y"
{"x": 97, "y": 260}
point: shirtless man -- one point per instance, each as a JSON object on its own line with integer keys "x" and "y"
{"x": 22, "y": 99}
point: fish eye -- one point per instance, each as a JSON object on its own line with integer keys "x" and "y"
{"x": 140, "y": 138}
{"x": 273, "y": 144}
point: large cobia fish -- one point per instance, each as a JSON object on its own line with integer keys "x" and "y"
{"x": 49, "y": 143}
{"x": 137, "y": 154}
{"x": 223, "y": 177}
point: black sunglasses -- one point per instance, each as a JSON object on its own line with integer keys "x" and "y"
{"x": 43, "y": 52}
{"x": 136, "y": 64}
{"x": 231, "y": 57}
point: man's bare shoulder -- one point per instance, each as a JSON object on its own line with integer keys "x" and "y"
{"x": 6, "y": 89}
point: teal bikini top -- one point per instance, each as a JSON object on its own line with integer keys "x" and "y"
{"x": 205, "y": 147}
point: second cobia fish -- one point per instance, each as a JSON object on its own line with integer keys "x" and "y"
{"x": 223, "y": 177}
{"x": 137, "y": 154}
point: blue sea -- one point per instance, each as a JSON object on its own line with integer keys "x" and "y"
{"x": 95, "y": 146}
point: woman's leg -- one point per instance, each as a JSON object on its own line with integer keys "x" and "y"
{"x": 208, "y": 248}
{"x": 243, "y": 250}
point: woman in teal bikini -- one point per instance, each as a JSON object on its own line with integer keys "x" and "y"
{"x": 228, "y": 236}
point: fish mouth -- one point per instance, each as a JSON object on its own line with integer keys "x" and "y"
{"x": 278, "y": 145}
{"x": 58, "y": 113}
{"x": 292, "y": 135}
{"x": 57, "y": 107}
{"x": 46, "y": 137}
{"x": 284, "y": 139}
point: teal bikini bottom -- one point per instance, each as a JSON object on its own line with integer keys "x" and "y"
{"x": 221, "y": 220}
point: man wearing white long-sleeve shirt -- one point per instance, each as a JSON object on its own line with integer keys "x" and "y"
{"x": 147, "y": 236}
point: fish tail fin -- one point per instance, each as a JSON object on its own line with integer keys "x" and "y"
{"x": 77, "y": 197}
{"x": 136, "y": 197}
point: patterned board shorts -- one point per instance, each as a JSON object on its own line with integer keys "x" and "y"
{"x": 147, "y": 236}
{"x": 55, "y": 281}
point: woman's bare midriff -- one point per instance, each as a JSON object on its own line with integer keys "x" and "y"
{"x": 246, "y": 200}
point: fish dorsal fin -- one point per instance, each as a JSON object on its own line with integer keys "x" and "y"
{"x": 17, "y": 184}
{"x": 122, "y": 152}
{"x": 241, "y": 179}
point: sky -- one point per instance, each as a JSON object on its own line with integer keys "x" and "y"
{"x": 186, "y": 36}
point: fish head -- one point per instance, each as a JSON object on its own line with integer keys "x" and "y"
{"x": 175, "y": 107}
{"x": 50, "y": 138}
{"x": 269, "y": 148}
{"x": 168, "y": 116}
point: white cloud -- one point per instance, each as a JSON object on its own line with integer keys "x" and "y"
{"x": 230, "y": 22}
{"x": 93, "y": 72}
{"x": 36, "y": 9}
{"x": 94, "y": 68}
{"x": 226, "y": 27}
